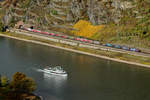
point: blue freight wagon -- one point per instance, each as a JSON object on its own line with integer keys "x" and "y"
{"x": 108, "y": 45}
{"x": 117, "y": 46}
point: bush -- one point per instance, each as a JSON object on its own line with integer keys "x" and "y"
{"x": 86, "y": 29}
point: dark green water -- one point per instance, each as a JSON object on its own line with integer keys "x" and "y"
{"x": 89, "y": 78}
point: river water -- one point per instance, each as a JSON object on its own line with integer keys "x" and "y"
{"x": 89, "y": 78}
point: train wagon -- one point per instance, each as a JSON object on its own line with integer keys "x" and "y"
{"x": 28, "y": 29}
{"x": 125, "y": 48}
{"x": 84, "y": 40}
{"x": 71, "y": 37}
{"x": 33, "y": 30}
{"x": 38, "y": 31}
{"x": 117, "y": 46}
{"x": 58, "y": 35}
{"x": 108, "y": 45}
{"x": 96, "y": 42}
{"x": 52, "y": 34}
{"x": 135, "y": 50}
{"x": 78, "y": 39}
{"x": 45, "y": 33}
{"x": 89, "y": 41}
{"x": 64, "y": 36}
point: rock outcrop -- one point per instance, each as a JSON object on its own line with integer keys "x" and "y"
{"x": 62, "y": 14}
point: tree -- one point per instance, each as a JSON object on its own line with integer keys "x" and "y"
{"x": 22, "y": 83}
{"x": 4, "y": 81}
{"x": 1, "y": 26}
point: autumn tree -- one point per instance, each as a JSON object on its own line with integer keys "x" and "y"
{"x": 22, "y": 83}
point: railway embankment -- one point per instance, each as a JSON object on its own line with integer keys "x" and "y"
{"x": 82, "y": 48}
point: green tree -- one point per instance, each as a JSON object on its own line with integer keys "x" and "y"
{"x": 22, "y": 83}
{"x": 4, "y": 81}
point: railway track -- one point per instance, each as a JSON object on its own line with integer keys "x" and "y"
{"x": 100, "y": 47}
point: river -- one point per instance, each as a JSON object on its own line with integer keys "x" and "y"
{"x": 89, "y": 78}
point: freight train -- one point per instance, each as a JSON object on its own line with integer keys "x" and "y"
{"x": 82, "y": 39}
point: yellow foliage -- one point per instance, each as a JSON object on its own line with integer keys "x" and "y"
{"x": 86, "y": 29}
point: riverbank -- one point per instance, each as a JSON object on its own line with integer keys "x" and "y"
{"x": 27, "y": 96}
{"x": 119, "y": 57}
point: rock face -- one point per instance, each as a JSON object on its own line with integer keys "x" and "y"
{"x": 7, "y": 19}
{"x": 61, "y": 14}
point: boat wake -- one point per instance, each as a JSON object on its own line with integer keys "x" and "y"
{"x": 39, "y": 70}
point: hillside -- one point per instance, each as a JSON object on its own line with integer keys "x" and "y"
{"x": 125, "y": 21}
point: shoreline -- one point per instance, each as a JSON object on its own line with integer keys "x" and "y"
{"x": 76, "y": 51}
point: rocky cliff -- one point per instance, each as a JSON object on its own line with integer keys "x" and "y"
{"x": 60, "y": 15}
{"x": 63, "y": 13}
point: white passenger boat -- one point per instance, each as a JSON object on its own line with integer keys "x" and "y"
{"x": 55, "y": 71}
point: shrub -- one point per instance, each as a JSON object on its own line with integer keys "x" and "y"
{"x": 86, "y": 29}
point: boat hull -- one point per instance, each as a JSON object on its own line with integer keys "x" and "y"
{"x": 53, "y": 73}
